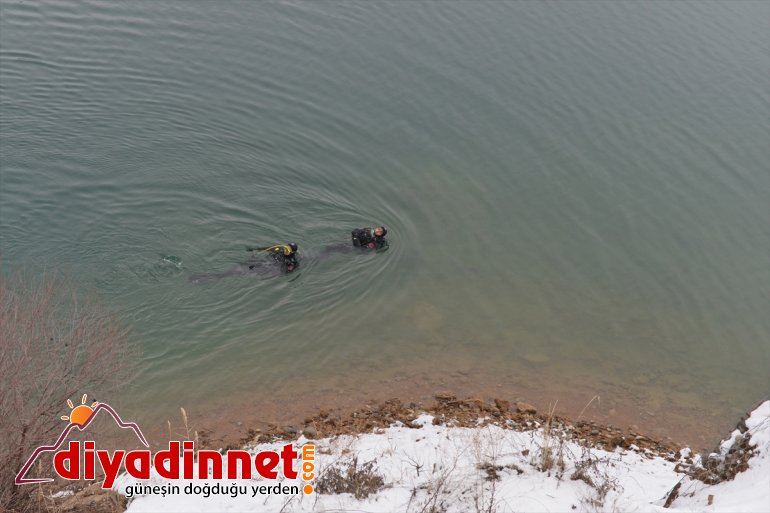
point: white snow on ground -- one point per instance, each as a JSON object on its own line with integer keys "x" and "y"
{"x": 439, "y": 468}
{"x": 750, "y": 490}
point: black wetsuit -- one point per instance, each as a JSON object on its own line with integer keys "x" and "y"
{"x": 365, "y": 237}
{"x": 288, "y": 262}
{"x": 362, "y": 238}
{"x": 262, "y": 265}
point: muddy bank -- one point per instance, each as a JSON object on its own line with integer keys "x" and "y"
{"x": 647, "y": 410}
{"x": 446, "y": 410}
{"x": 450, "y": 410}
{"x": 728, "y": 459}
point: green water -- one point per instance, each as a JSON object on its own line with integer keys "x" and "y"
{"x": 588, "y": 181}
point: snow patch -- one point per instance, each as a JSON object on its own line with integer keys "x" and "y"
{"x": 749, "y": 490}
{"x": 488, "y": 468}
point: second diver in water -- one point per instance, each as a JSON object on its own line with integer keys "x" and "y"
{"x": 283, "y": 254}
{"x": 271, "y": 261}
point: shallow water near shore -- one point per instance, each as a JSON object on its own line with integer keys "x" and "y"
{"x": 575, "y": 193}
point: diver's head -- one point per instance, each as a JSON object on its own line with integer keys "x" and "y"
{"x": 293, "y": 247}
{"x": 380, "y": 231}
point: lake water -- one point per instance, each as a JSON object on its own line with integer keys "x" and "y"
{"x": 576, "y": 192}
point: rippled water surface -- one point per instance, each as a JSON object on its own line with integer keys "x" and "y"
{"x": 574, "y": 186}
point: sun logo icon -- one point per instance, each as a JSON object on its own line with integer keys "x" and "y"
{"x": 81, "y": 413}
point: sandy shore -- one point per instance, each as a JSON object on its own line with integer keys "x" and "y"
{"x": 645, "y": 409}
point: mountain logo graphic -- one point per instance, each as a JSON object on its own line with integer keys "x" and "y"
{"x": 80, "y": 417}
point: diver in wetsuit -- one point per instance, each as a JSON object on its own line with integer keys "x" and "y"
{"x": 284, "y": 254}
{"x": 364, "y": 239}
{"x": 370, "y": 238}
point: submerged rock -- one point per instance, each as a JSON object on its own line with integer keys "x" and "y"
{"x": 523, "y": 407}
{"x": 536, "y": 358}
{"x": 429, "y": 321}
{"x": 502, "y": 405}
{"x": 173, "y": 260}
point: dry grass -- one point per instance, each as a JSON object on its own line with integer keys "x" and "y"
{"x": 54, "y": 345}
{"x": 437, "y": 489}
{"x": 92, "y": 499}
{"x": 594, "y": 472}
{"x": 187, "y": 433}
{"x": 358, "y": 480}
{"x": 549, "y": 454}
